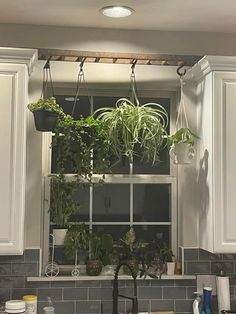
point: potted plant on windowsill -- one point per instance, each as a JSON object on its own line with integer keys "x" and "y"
{"x": 101, "y": 248}
{"x": 135, "y": 129}
{"x": 128, "y": 249}
{"x": 62, "y": 206}
{"x": 182, "y": 146}
{"x": 168, "y": 258}
{"x": 46, "y": 112}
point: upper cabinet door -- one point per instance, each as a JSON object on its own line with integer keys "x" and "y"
{"x": 216, "y": 105}
{"x": 224, "y": 127}
{"x": 13, "y": 105}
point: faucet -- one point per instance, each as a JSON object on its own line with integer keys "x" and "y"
{"x": 116, "y": 290}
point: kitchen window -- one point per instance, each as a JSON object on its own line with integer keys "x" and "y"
{"x": 138, "y": 195}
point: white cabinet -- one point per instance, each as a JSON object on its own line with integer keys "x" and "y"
{"x": 216, "y": 162}
{"x": 15, "y": 67}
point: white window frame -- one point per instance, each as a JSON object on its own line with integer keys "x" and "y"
{"x": 130, "y": 179}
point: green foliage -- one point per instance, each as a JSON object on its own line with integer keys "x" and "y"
{"x": 166, "y": 253}
{"x": 77, "y": 238}
{"x": 62, "y": 204}
{"x": 183, "y": 135}
{"x": 84, "y": 143}
{"x": 101, "y": 248}
{"x": 135, "y": 129}
{"x": 49, "y": 104}
{"x": 128, "y": 247}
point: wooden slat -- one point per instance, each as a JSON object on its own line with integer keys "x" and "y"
{"x": 116, "y": 57}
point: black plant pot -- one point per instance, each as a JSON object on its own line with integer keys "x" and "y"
{"x": 45, "y": 120}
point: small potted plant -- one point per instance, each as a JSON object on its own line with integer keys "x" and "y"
{"x": 128, "y": 249}
{"x": 62, "y": 206}
{"x": 168, "y": 258}
{"x": 135, "y": 129}
{"x": 77, "y": 238}
{"x": 46, "y": 112}
{"x": 100, "y": 252}
{"x": 182, "y": 146}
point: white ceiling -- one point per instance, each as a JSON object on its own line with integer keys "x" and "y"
{"x": 165, "y": 15}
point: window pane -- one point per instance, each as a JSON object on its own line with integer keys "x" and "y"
{"x": 111, "y": 202}
{"x": 82, "y": 108}
{"x": 82, "y": 199}
{"x": 117, "y": 232}
{"x": 152, "y": 202}
{"x": 153, "y": 233}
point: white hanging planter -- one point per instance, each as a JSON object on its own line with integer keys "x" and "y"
{"x": 181, "y": 143}
{"x": 182, "y": 153}
{"x": 59, "y": 236}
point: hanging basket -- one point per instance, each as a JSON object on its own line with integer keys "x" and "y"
{"x": 182, "y": 153}
{"x": 45, "y": 120}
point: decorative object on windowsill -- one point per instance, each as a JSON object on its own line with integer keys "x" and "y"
{"x": 46, "y": 111}
{"x": 77, "y": 238}
{"x": 182, "y": 142}
{"x": 168, "y": 258}
{"x": 62, "y": 206}
{"x": 135, "y": 129}
{"x": 52, "y": 269}
{"x": 101, "y": 248}
{"x": 128, "y": 250}
{"x": 83, "y": 143}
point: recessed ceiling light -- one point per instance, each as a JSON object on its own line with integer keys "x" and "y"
{"x": 71, "y": 99}
{"x": 117, "y": 11}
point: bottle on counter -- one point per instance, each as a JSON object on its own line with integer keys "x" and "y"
{"x": 30, "y": 304}
{"x": 197, "y": 304}
{"x": 15, "y": 307}
{"x": 207, "y": 296}
{"x": 49, "y": 309}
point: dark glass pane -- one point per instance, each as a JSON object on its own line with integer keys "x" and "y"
{"x": 111, "y": 202}
{"x": 82, "y": 198}
{"x": 153, "y": 234}
{"x": 117, "y": 232}
{"x": 152, "y": 202}
{"x": 82, "y": 108}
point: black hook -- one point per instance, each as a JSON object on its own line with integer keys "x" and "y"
{"x": 179, "y": 68}
{"x": 47, "y": 64}
{"x": 133, "y": 64}
{"x": 82, "y": 63}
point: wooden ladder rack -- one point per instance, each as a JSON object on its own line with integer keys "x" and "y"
{"x": 117, "y": 57}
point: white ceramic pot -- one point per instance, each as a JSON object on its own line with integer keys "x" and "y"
{"x": 182, "y": 153}
{"x": 170, "y": 268}
{"x": 59, "y": 236}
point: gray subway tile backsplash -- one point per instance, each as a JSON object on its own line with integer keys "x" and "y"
{"x": 74, "y": 297}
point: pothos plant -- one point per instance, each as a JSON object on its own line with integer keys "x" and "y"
{"x": 84, "y": 143}
{"x": 135, "y": 129}
{"x": 62, "y": 203}
{"x": 183, "y": 135}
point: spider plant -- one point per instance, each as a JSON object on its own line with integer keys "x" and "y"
{"x": 135, "y": 129}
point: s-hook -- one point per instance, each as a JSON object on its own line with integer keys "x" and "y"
{"x": 181, "y": 74}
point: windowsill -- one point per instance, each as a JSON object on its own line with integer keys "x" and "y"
{"x": 121, "y": 277}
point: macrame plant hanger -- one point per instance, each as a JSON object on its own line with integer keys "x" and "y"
{"x": 80, "y": 82}
{"x": 182, "y": 120}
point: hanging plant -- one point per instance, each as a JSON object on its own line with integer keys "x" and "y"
{"x": 83, "y": 143}
{"x": 135, "y": 129}
{"x": 181, "y": 143}
{"x": 46, "y": 111}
